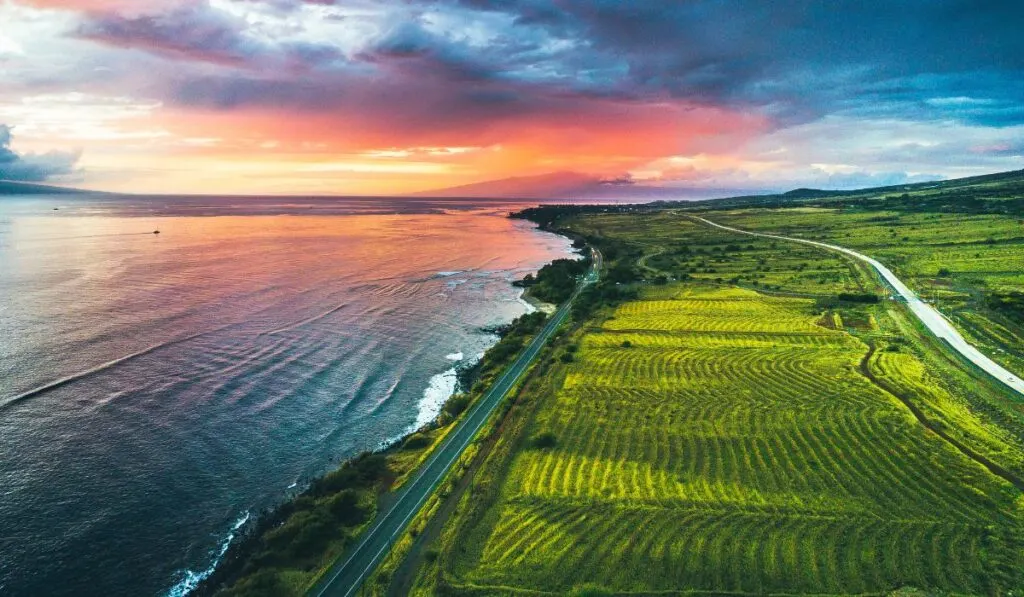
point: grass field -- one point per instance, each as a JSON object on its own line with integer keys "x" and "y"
{"x": 954, "y": 260}
{"x": 742, "y": 432}
{"x": 741, "y": 453}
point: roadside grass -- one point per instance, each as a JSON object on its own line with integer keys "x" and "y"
{"x": 739, "y": 453}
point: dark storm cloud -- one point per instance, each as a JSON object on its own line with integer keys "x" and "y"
{"x": 792, "y": 60}
{"x": 197, "y": 32}
{"x": 32, "y": 167}
{"x": 802, "y": 58}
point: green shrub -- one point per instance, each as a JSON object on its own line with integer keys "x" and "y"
{"x": 544, "y": 441}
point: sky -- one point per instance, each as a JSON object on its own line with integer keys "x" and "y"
{"x": 400, "y": 96}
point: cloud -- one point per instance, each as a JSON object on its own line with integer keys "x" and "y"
{"x": 622, "y": 180}
{"x": 198, "y": 32}
{"x": 600, "y": 86}
{"x": 861, "y": 179}
{"x": 32, "y": 167}
{"x": 797, "y": 60}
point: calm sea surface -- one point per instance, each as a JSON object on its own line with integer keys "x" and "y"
{"x": 157, "y": 389}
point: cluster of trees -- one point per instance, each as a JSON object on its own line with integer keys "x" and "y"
{"x": 1010, "y": 304}
{"x": 853, "y": 297}
{"x": 556, "y": 281}
{"x": 603, "y": 294}
{"x": 296, "y": 534}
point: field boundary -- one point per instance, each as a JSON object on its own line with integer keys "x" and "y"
{"x": 995, "y": 469}
{"x": 936, "y": 323}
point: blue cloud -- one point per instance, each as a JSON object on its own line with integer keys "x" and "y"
{"x": 32, "y": 167}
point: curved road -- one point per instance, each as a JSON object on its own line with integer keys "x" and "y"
{"x": 345, "y": 576}
{"x": 929, "y": 316}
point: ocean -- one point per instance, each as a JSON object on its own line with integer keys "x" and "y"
{"x": 159, "y": 389}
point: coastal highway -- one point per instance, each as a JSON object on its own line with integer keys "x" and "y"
{"x": 344, "y": 578}
{"x": 932, "y": 319}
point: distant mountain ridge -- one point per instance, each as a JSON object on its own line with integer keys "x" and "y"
{"x": 571, "y": 186}
{"x": 10, "y": 187}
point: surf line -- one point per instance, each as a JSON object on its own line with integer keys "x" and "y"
{"x": 98, "y": 368}
{"x": 192, "y": 579}
{"x": 304, "y": 321}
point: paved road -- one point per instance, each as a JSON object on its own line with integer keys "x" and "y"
{"x": 344, "y": 578}
{"x": 929, "y": 316}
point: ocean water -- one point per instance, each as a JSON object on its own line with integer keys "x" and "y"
{"x": 156, "y": 390}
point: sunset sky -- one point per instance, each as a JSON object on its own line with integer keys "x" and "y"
{"x": 398, "y": 96}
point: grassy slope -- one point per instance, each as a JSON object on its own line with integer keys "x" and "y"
{"x": 711, "y": 438}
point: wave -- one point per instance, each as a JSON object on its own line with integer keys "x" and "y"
{"x": 440, "y": 388}
{"x": 305, "y": 321}
{"x": 190, "y": 579}
{"x": 98, "y": 368}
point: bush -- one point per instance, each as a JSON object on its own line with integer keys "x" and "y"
{"x": 591, "y": 590}
{"x": 626, "y": 344}
{"x": 544, "y": 441}
{"x": 850, "y": 297}
{"x": 456, "y": 405}
{"x": 263, "y": 583}
{"x": 944, "y": 272}
{"x": 345, "y": 508}
{"x": 416, "y": 441}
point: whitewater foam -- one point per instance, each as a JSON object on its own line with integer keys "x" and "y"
{"x": 439, "y": 390}
{"x": 192, "y": 579}
{"x": 525, "y": 303}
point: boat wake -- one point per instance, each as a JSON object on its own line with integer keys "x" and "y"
{"x": 98, "y": 368}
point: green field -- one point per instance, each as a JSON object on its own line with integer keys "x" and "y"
{"x": 954, "y": 260}
{"x": 732, "y": 445}
{"x": 739, "y": 430}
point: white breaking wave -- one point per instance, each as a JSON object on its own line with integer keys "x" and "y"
{"x": 441, "y": 387}
{"x": 192, "y": 579}
{"x": 439, "y": 390}
{"x": 526, "y": 304}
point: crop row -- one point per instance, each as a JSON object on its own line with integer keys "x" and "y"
{"x": 538, "y": 542}
{"x": 721, "y": 441}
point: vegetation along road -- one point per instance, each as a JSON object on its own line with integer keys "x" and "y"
{"x": 345, "y": 577}
{"x": 929, "y": 316}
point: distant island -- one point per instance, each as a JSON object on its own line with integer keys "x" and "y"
{"x": 10, "y": 187}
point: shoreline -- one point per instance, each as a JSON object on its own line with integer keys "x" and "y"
{"x": 536, "y": 304}
{"x": 240, "y": 542}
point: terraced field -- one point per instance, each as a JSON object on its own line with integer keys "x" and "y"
{"x": 714, "y": 439}
{"x": 957, "y": 271}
